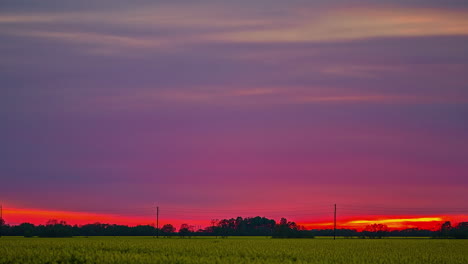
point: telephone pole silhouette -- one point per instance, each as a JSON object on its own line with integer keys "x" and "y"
{"x": 213, "y": 222}
{"x": 334, "y": 224}
{"x": 1, "y": 219}
{"x": 157, "y": 221}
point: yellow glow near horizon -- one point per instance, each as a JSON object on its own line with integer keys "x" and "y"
{"x": 398, "y": 220}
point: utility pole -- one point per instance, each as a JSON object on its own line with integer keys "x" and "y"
{"x": 157, "y": 221}
{"x": 334, "y": 225}
{"x": 213, "y": 222}
{"x": 1, "y": 219}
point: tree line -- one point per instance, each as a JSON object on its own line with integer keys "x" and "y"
{"x": 249, "y": 226}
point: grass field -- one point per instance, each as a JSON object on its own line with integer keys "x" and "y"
{"x": 231, "y": 250}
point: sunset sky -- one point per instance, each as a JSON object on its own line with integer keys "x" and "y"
{"x": 218, "y": 109}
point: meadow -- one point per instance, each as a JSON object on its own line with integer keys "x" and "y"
{"x": 230, "y": 250}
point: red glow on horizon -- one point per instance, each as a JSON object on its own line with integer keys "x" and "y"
{"x": 36, "y": 216}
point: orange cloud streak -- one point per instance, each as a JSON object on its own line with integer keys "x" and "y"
{"x": 393, "y": 222}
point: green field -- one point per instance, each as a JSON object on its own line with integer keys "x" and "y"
{"x": 231, "y": 250}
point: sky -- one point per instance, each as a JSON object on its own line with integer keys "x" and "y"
{"x": 214, "y": 109}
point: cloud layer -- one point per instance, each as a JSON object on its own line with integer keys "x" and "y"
{"x": 238, "y": 105}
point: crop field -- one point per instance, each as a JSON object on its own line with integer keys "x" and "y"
{"x": 231, "y": 250}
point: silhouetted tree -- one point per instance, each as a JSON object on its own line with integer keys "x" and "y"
{"x": 143, "y": 230}
{"x": 460, "y": 231}
{"x": 2, "y": 223}
{"x": 286, "y": 229}
{"x": 167, "y": 230}
{"x": 249, "y": 226}
{"x": 185, "y": 230}
{"x": 95, "y": 229}
{"x": 55, "y": 228}
{"x": 445, "y": 229}
{"x": 26, "y": 230}
{"x": 411, "y": 232}
{"x": 375, "y": 231}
